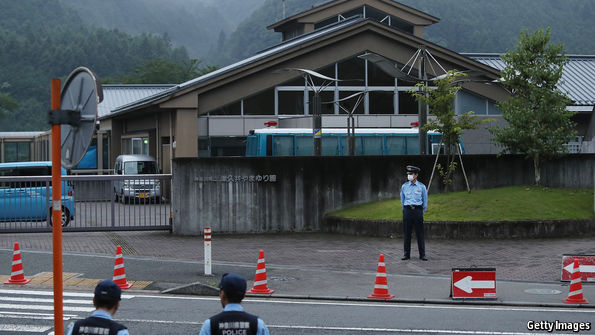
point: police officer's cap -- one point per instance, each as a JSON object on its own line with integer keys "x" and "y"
{"x": 108, "y": 289}
{"x": 233, "y": 284}
{"x": 413, "y": 169}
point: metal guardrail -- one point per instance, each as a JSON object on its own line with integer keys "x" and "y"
{"x": 95, "y": 203}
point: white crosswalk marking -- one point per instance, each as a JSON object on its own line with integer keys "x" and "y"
{"x": 31, "y": 311}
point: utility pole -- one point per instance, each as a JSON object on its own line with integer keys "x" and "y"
{"x": 421, "y": 106}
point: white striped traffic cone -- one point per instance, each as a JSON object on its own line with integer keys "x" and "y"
{"x": 120, "y": 271}
{"x": 17, "y": 275}
{"x": 575, "y": 294}
{"x": 381, "y": 286}
{"x": 260, "y": 279}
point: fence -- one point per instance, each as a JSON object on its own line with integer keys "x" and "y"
{"x": 89, "y": 203}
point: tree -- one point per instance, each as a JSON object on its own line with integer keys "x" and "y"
{"x": 440, "y": 101}
{"x": 538, "y": 123}
{"x": 7, "y": 103}
{"x": 161, "y": 71}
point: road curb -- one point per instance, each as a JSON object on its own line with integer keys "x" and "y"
{"x": 426, "y": 301}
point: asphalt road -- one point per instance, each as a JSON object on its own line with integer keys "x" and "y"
{"x": 30, "y": 311}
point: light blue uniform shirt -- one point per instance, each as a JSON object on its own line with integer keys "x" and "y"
{"x": 414, "y": 194}
{"x": 99, "y": 314}
{"x": 206, "y": 327}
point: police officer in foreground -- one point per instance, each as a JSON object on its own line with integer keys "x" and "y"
{"x": 106, "y": 301}
{"x": 414, "y": 201}
{"x": 233, "y": 320}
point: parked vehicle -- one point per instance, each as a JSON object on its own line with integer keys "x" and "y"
{"x": 372, "y": 141}
{"x": 142, "y": 189}
{"x": 22, "y": 200}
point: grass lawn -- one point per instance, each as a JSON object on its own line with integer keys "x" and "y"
{"x": 498, "y": 204}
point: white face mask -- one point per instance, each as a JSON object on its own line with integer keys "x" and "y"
{"x": 410, "y": 177}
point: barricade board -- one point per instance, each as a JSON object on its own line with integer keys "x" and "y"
{"x": 473, "y": 283}
{"x": 586, "y": 266}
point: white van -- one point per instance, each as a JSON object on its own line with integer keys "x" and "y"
{"x": 136, "y": 189}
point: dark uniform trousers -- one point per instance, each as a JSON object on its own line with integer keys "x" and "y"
{"x": 414, "y": 219}
{"x": 96, "y": 326}
{"x": 234, "y": 323}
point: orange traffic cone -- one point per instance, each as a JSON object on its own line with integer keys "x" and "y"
{"x": 575, "y": 294}
{"x": 119, "y": 270}
{"x": 260, "y": 279}
{"x": 17, "y": 275}
{"x": 381, "y": 286}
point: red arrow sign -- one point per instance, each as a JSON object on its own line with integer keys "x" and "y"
{"x": 473, "y": 283}
{"x": 587, "y": 267}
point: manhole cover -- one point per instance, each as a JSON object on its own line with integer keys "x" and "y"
{"x": 281, "y": 278}
{"x": 544, "y": 291}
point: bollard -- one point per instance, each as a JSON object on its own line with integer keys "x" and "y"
{"x": 207, "y": 235}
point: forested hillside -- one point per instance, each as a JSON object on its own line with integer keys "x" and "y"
{"x": 465, "y": 25}
{"x": 41, "y": 40}
{"x": 199, "y": 25}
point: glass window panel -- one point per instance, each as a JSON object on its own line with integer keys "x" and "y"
{"x": 325, "y": 106}
{"x": 291, "y": 103}
{"x": 493, "y": 109}
{"x": 377, "y": 77}
{"x": 469, "y": 102}
{"x": 350, "y": 103}
{"x": 283, "y": 145}
{"x": 17, "y": 151}
{"x": 297, "y": 81}
{"x": 328, "y": 71}
{"x": 396, "y": 145}
{"x": 353, "y": 71}
{"x": 145, "y": 146}
{"x": 381, "y": 102}
{"x": 412, "y": 145}
{"x": 372, "y": 145}
{"x": 330, "y": 145}
{"x": 24, "y": 151}
{"x": 234, "y": 108}
{"x": 10, "y": 151}
{"x": 136, "y": 146}
{"x": 262, "y": 103}
{"x": 407, "y": 103}
{"x": 305, "y": 146}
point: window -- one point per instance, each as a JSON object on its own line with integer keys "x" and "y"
{"x": 260, "y": 104}
{"x": 350, "y": 103}
{"x": 382, "y": 102}
{"x": 407, "y": 103}
{"x": 140, "y": 167}
{"x": 234, "y": 108}
{"x": 291, "y": 102}
{"x": 326, "y": 99}
{"x": 468, "y": 102}
{"x": 140, "y": 146}
{"x": 135, "y": 146}
{"x": 353, "y": 71}
{"x": 17, "y": 151}
{"x": 283, "y": 145}
{"x": 493, "y": 108}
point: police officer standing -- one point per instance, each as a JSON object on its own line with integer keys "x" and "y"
{"x": 106, "y": 301}
{"x": 233, "y": 320}
{"x": 414, "y": 201}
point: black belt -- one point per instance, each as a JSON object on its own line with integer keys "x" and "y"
{"x": 413, "y": 206}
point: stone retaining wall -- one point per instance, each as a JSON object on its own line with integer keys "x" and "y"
{"x": 464, "y": 229}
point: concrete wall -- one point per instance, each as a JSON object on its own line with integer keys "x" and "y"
{"x": 252, "y": 194}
